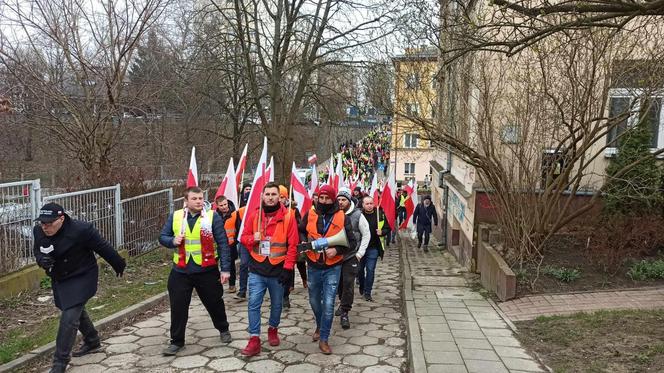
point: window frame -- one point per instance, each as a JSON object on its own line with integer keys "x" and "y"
{"x": 409, "y": 144}
{"x": 636, "y": 94}
{"x": 406, "y": 168}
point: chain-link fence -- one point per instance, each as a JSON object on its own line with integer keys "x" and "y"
{"x": 18, "y": 208}
{"x": 98, "y": 206}
{"x": 142, "y": 219}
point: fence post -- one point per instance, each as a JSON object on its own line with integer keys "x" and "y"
{"x": 118, "y": 218}
{"x": 170, "y": 200}
{"x": 35, "y": 198}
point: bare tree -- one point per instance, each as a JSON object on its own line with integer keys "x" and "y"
{"x": 73, "y": 57}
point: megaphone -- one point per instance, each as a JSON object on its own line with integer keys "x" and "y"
{"x": 321, "y": 244}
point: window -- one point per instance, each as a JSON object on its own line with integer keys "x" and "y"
{"x": 413, "y": 81}
{"x": 412, "y": 109}
{"x": 510, "y": 134}
{"x": 409, "y": 168}
{"x": 628, "y": 111}
{"x": 411, "y": 140}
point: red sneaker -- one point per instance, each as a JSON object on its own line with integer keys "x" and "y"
{"x": 253, "y": 347}
{"x": 272, "y": 336}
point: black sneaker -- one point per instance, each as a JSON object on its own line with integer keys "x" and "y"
{"x": 226, "y": 337}
{"x": 86, "y": 349}
{"x": 172, "y": 350}
{"x": 338, "y": 312}
{"x": 345, "y": 322}
{"x": 368, "y": 298}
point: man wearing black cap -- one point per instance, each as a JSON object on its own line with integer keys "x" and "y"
{"x": 65, "y": 248}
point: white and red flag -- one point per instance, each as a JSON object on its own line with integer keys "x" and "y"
{"x": 300, "y": 194}
{"x": 330, "y": 172}
{"x": 339, "y": 174}
{"x": 241, "y": 165}
{"x": 313, "y": 188}
{"x": 254, "y": 200}
{"x": 192, "y": 175}
{"x": 409, "y": 205}
{"x": 387, "y": 201}
{"x": 228, "y": 187}
{"x": 374, "y": 192}
{"x": 312, "y": 159}
{"x": 269, "y": 171}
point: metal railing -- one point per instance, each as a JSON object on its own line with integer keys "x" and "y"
{"x": 18, "y": 208}
{"x": 99, "y": 206}
{"x": 142, "y": 219}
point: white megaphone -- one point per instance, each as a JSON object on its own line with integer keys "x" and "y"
{"x": 338, "y": 239}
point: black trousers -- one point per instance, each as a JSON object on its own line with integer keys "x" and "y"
{"x": 72, "y": 319}
{"x": 302, "y": 268}
{"x": 234, "y": 256}
{"x": 346, "y": 289}
{"x": 426, "y": 234}
{"x": 209, "y": 289}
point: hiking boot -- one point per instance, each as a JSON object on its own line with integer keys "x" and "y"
{"x": 316, "y": 335}
{"x": 253, "y": 347}
{"x": 232, "y": 289}
{"x": 172, "y": 350}
{"x": 86, "y": 349}
{"x": 345, "y": 322}
{"x": 272, "y": 336}
{"x": 226, "y": 337}
{"x": 324, "y": 347}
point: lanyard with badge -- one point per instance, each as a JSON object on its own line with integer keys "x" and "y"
{"x": 265, "y": 242}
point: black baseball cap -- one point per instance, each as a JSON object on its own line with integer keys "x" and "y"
{"x": 50, "y": 212}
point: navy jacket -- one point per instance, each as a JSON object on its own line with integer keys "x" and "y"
{"x": 75, "y": 272}
{"x": 423, "y": 216}
{"x": 223, "y": 250}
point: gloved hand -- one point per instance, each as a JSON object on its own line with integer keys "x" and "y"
{"x": 119, "y": 267}
{"x": 285, "y": 276}
{"x": 45, "y": 261}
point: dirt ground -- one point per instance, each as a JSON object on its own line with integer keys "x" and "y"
{"x": 615, "y": 342}
{"x": 568, "y": 251}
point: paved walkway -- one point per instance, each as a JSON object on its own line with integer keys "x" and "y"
{"x": 375, "y": 343}
{"x": 530, "y": 307}
{"x": 454, "y": 329}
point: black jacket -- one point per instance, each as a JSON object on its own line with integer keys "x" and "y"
{"x": 304, "y": 236}
{"x": 423, "y": 216}
{"x": 372, "y": 219}
{"x": 75, "y": 273}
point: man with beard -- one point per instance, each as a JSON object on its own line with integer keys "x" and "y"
{"x": 324, "y": 268}
{"x": 270, "y": 235}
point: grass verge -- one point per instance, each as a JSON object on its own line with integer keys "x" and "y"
{"x": 605, "y": 341}
{"x": 26, "y": 324}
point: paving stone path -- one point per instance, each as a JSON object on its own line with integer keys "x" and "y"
{"x": 376, "y": 342}
{"x": 453, "y": 328}
{"x": 530, "y": 307}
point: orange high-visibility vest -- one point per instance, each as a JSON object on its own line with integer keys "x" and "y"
{"x": 336, "y": 226}
{"x": 278, "y": 241}
{"x": 231, "y": 225}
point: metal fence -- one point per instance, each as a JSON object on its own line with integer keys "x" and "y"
{"x": 133, "y": 223}
{"x": 18, "y": 207}
{"x": 98, "y": 206}
{"x": 142, "y": 219}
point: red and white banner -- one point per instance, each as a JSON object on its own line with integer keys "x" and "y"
{"x": 228, "y": 187}
{"x": 241, "y": 165}
{"x": 192, "y": 175}
{"x": 300, "y": 194}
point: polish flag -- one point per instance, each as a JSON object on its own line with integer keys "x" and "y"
{"x": 269, "y": 171}
{"x": 254, "y": 200}
{"x": 241, "y": 165}
{"x": 228, "y": 188}
{"x": 339, "y": 174}
{"x": 410, "y": 206}
{"x": 313, "y": 188}
{"x": 330, "y": 172}
{"x": 300, "y": 194}
{"x": 374, "y": 192}
{"x": 192, "y": 175}
{"x": 387, "y": 201}
{"x": 312, "y": 159}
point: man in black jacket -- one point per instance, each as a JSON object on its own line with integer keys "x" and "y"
{"x": 375, "y": 249}
{"x": 424, "y": 214}
{"x": 65, "y": 248}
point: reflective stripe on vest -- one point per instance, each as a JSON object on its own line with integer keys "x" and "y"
{"x": 336, "y": 226}
{"x": 381, "y": 238}
{"x": 192, "y": 241}
{"x": 278, "y": 242}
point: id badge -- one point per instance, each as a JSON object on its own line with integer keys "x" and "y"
{"x": 265, "y": 246}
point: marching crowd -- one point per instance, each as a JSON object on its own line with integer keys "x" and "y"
{"x": 335, "y": 246}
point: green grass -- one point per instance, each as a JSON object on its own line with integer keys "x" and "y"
{"x": 562, "y": 274}
{"x": 647, "y": 270}
{"x": 114, "y": 295}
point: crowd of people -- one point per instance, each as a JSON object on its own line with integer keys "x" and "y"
{"x": 273, "y": 241}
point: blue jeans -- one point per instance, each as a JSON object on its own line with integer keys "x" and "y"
{"x": 368, "y": 263}
{"x": 257, "y": 286}
{"x": 323, "y": 285}
{"x": 244, "y": 267}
